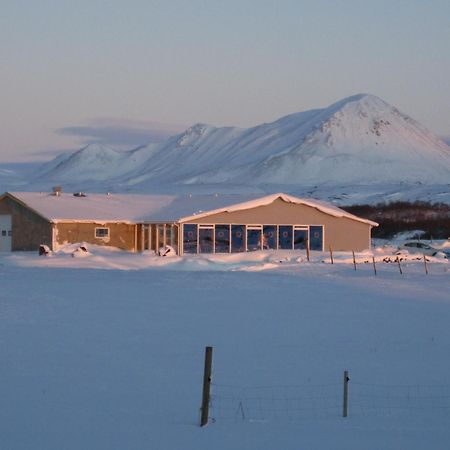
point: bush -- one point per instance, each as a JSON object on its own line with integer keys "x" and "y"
{"x": 396, "y": 217}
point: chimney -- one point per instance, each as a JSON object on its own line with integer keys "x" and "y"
{"x": 57, "y": 191}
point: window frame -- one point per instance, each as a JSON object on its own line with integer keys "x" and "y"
{"x": 102, "y": 237}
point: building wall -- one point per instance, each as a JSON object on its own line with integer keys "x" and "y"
{"x": 121, "y": 235}
{"x": 341, "y": 233}
{"x": 29, "y": 230}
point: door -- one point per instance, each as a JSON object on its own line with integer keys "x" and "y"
{"x": 300, "y": 238}
{"x": 254, "y": 238}
{"x": 5, "y": 233}
{"x": 206, "y": 239}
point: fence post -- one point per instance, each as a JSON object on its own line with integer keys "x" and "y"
{"x": 374, "y": 267}
{"x": 345, "y": 404}
{"x": 206, "y": 386}
{"x": 307, "y": 249}
{"x": 354, "y": 260}
{"x": 399, "y": 266}
{"x": 425, "y": 262}
{"x": 331, "y": 255}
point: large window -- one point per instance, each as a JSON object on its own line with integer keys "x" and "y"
{"x": 237, "y": 238}
{"x": 316, "y": 237}
{"x": 285, "y": 237}
{"x": 269, "y": 237}
{"x": 254, "y": 238}
{"x": 190, "y": 238}
{"x": 206, "y": 239}
{"x": 222, "y": 238}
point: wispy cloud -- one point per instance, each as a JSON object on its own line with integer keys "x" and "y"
{"x": 446, "y": 139}
{"x": 121, "y": 132}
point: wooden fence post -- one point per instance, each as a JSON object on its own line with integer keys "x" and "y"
{"x": 331, "y": 255}
{"x": 425, "y": 262}
{"x": 206, "y": 386}
{"x": 307, "y": 249}
{"x": 354, "y": 260}
{"x": 374, "y": 267}
{"x": 345, "y": 404}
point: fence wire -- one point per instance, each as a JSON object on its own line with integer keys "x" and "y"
{"x": 265, "y": 403}
{"x": 297, "y": 402}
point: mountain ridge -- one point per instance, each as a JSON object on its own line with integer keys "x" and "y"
{"x": 358, "y": 140}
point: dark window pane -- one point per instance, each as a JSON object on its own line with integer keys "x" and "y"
{"x": 206, "y": 240}
{"x": 222, "y": 239}
{"x": 237, "y": 238}
{"x": 285, "y": 237}
{"x": 316, "y": 238}
{"x": 254, "y": 240}
{"x": 300, "y": 238}
{"x": 269, "y": 237}
{"x": 102, "y": 232}
{"x": 190, "y": 238}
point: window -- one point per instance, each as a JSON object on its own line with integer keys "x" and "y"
{"x": 190, "y": 238}
{"x": 316, "y": 237}
{"x": 222, "y": 238}
{"x": 9, "y": 233}
{"x": 285, "y": 237}
{"x": 269, "y": 237}
{"x": 3, "y": 232}
{"x": 102, "y": 233}
{"x": 237, "y": 238}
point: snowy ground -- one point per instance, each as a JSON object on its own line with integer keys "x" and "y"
{"x": 113, "y": 359}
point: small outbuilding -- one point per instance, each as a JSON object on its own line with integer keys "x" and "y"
{"x": 189, "y": 223}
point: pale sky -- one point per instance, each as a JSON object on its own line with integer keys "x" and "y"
{"x": 122, "y": 72}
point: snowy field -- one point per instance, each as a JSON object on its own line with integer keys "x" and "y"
{"x": 113, "y": 359}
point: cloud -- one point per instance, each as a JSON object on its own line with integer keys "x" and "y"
{"x": 446, "y": 139}
{"x": 121, "y": 132}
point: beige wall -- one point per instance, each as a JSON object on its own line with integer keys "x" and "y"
{"x": 29, "y": 230}
{"x": 342, "y": 234}
{"x": 121, "y": 235}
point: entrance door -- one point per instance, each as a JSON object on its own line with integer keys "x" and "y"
{"x": 206, "y": 239}
{"x": 5, "y": 233}
{"x": 300, "y": 238}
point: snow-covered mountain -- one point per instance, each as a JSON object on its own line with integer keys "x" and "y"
{"x": 358, "y": 140}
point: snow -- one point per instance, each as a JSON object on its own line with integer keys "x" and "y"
{"x": 360, "y": 140}
{"x": 113, "y": 359}
{"x": 133, "y": 208}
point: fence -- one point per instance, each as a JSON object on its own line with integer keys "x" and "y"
{"x": 299, "y": 402}
{"x": 225, "y": 402}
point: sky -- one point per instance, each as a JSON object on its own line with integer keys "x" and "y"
{"x": 128, "y": 73}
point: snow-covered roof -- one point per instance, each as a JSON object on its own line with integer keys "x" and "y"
{"x": 137, "y": 208}
{"x": 322, "y": 206}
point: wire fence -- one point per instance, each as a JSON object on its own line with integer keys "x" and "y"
{"x": 297, "y": 402}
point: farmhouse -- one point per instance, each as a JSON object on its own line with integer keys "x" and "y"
{"x": 188, "y": 223}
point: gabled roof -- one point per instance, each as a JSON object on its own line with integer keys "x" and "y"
{"x": 134, "y": 208}
{"x": 324, "y": 207}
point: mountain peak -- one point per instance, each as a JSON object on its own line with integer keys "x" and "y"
{"x": 194, "y": 133}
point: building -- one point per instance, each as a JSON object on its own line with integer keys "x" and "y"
{"x": 189, "y": 223}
